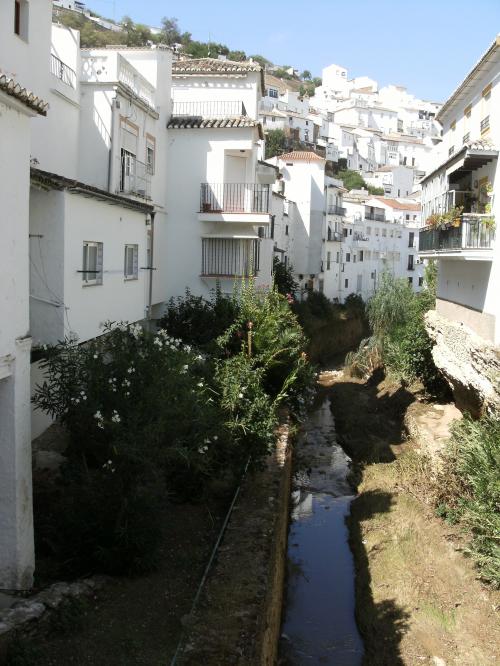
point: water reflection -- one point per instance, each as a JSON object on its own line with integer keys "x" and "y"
{"x": 319, "y": 625}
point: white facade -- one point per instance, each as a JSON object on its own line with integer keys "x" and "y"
{"x": 396, "y": 181}
{"x": 219, "y": 195}
{"x": 465, "y": 176}
{"x": 21, "y": 49}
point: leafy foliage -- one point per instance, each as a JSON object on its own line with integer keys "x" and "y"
{"x": 283, "y": 278}
{"x": 275, "y": 143}
{"x": 470, "y": 489}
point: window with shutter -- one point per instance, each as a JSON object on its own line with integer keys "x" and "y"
{"x": 131, "y": 270}
{"x": 92, "y": 263}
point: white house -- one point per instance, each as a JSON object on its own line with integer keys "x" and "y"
{"x": 19, "y": 48}
{"x": 303, "y": 175}
{"x": 396, "y": 181}
{"x": 219, "y": 194}
{"x": 465, "y": 176}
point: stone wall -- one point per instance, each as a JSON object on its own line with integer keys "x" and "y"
{"x": 470, "y": 364}
{"x": 238, "y": 617}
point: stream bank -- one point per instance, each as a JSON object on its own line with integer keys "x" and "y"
{"x": 418, "y": 597}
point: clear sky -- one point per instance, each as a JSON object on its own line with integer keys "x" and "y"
{"x": 427, "y": 45}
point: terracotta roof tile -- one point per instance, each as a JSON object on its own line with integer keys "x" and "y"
{"x": 301, "y": 156}
{"x": 28, "y": 98}
{"x": 198, "y": 122}
{"x": 398, "y": 205}
{"x": 213, "y": 65}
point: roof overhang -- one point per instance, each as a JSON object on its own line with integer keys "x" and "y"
{"x": 487, "y": 61}
{"x": 466, "y": 160}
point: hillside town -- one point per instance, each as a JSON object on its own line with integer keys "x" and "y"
{"x": 134, "y": 175}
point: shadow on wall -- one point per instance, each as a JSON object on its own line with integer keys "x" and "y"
{"x": 384, "y": 624}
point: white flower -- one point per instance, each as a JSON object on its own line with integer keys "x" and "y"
{"x": 200, "y": 384}
{"x": 127, "y": 393}
{"x": 95, "y": 356}
{"x": 77, "y": 401}
{"x": 187, "y": 348}
{"x": 84, "y": 397}
{"x": 215, "y": 438}
{"x": 98, "y": 415}
{"x": 185, "y": 367}
{"x": 82, "y": 392}
{"x": 240, "y": 395}
{"x": 206, "y": 441}
{"x": 116, "y": 417}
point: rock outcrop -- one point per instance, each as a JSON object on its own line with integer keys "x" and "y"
{"x": 469, "y": 364}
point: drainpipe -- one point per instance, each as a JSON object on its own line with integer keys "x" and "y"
{"x": 111, "y": 141}
{"x": 150, "y": 299}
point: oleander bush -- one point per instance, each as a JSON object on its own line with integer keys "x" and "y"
{"x": 152, "y": 418}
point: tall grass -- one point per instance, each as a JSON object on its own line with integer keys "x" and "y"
{"x": 470, "y": 486}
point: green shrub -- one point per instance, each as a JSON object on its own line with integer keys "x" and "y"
{"x": 199, "y": 321}
{"x": 473, "y": 462}
{"x": 283, "y": 279}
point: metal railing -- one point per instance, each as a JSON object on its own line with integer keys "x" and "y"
{"x": 472, "y": 234}
{"x": 135, "y": 177}
{"x": 209, "y": 109}
{"x": 59, "y": 69}
{"x": 377, "y": 217}
{"x": 466, "y": 138}
{"x": 335, "y": 236}
{"x": 485, "y": 124}
{"x": 234, "y": 198}
{"x": 129, "y": 76}
{"x": 336, "y": 210}
{"x": 230, "y": 257}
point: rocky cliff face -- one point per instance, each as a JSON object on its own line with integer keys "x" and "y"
{"x": 470, "y": 365}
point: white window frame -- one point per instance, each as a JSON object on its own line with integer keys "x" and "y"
{"x": 92, "y": 276}
{"x": 133, "y": 249}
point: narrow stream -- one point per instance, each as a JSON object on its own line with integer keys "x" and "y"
{"x": 319, "y": 625}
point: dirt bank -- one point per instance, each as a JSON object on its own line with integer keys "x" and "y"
{"x": 418, "y": 597}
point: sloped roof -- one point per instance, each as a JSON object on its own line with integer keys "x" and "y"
{"x": 301, "y": 156}
{"x": 198, "y": 122}
{"x": 26, "y": 97}
{"x": 200, "y": 66}
{"x": 399, "y": 205}
{"x": 281, "y": 84}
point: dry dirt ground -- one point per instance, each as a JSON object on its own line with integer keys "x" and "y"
{"x": 419, "y": 599}
{"x": 134, "y": 621}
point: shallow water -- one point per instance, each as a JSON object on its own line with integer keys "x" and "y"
{"x": 319, "y": 625}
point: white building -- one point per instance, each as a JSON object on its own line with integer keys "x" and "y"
{"x": 303, "y": 174}
{"x": 396, "y": 181}
{"x": 465, "y": 175}
{"x": 375, "y": 234}
{"x": 219, "y": 194}
{"x": 20, "y": 49}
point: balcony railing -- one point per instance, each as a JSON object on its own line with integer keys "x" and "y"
{"x": 377, "y": 217}
{"x": 59, "y": 69}
{"x": 129, "y": 76}
{"x": 335, "y": 236}
{"x": 336, "y": 210}
{"x": 135, "y": 177}
{"x": 230, "y": 257}
{"x": 485, "y": 124}
{"x": 472, "y": 234}
{"x": 209, "y": 109}
{"x": 235, "y": 198}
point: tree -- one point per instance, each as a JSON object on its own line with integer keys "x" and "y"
{"x": 275, "y": 143}
{"x": 170, "y": 31}
{"x": 238, "y": 56}
{"x": 352, "y": 180}
{"x": 263, "y": 62}
{"x": 317, "y": 81}
{"x": 306, "y": 75}
{"x": 283, "y": 278}
{"x": 375, "y": 190}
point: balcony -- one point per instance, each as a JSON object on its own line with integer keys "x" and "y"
{"x": 485, "y": 124}
{"x": 235, "y": 202}
{"x": 135, "y": 177}
{"x": 336, "y": 210}
{"x": 473, "y": 239}
{"x": 334, "y": 236}
{"x": 208, "y": 109}
{"x": 64, "y": 73}
{"x": 230, "y": 257}
{"x": 377, "y": 217}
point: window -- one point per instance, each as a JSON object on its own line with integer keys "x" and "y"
{"x": 345, "y": 232}
{"x": 272, "y": 92}
{"x": 92, "y": 263}
{"x": 150, "y": 154}
{"x": 410, "y": 280}
{"x": 346, "y": 283}
{"x": 337, "y": 257}
{"x": 348, "y": 257}
{"x": 377, "y": 231}
{"x": 420, "y": 281}
{"x": 354, "y": 258}
{"x": 407, "y": 217}
{"x": 410, "y": 262}
{"x": 485, "y": 110}
{"x": 451, "y": 150}
{"x": 130, "y": 269}
{"x": 21, "y": 18}
{"x": 328, "y": 260}
{"x": 411, "y": 239}
{"x": 286, "y": 230}
{"x": 368, "y": 231}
